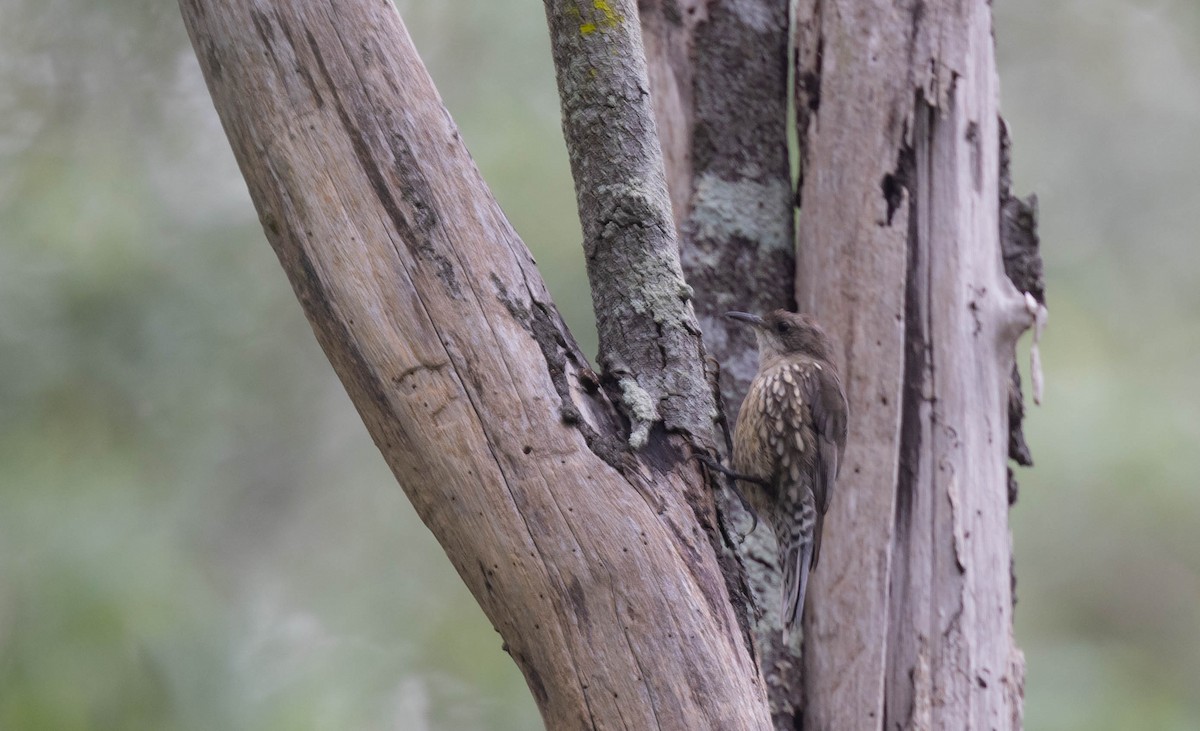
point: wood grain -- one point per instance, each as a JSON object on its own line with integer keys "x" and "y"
{"x": 911, "y": 623}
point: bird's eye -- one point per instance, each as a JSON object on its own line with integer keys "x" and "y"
{"x": 782, "y": 327}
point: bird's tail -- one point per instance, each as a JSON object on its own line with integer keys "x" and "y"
{"x": 797, "y": 553}
{"x": 797, "y": 561}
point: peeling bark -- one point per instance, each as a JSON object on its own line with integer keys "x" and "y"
{"x": 900, "y": 253}
{"x": 565, "y": 498}
{"x": 1020, "y": 245}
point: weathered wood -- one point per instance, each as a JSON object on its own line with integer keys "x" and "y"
{"x": 851, "y": 274}
{"x": 911, "y": 623}
{"x": 1020, "y": 244}
{"x": 590, "y": 562}
{"x": 598, "y": 564}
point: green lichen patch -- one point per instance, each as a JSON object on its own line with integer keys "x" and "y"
{"x": 724, "y": 209}
{"x": 642, "y": 409}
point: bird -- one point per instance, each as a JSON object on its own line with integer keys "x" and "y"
{"x": 789, "y": 441}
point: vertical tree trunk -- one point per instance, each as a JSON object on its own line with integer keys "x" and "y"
{"x": 899, "y": 253}
{"x": 719, "y": 76}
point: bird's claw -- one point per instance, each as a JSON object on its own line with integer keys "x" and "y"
{"x": 733, "y": 477}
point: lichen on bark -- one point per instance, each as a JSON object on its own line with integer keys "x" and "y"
{"x": 651, "y": 355}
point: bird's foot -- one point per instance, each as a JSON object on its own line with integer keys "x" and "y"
{"x": 733, "y": 476}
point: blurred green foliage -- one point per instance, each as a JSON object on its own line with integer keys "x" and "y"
{"x": 197, "y": 533}
{"x": 1104, "y": 103}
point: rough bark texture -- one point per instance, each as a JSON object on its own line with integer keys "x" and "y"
{"x": 1023, "y": 263}
{"x": 911, "y": 623}
{"x": 649, "y": 339}
{"x": 718, "y": 73}
{"x": 593, "y": 563}
{"x": 565, "y": 499}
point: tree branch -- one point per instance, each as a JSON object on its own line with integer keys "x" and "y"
{"x": 650, "y": 343}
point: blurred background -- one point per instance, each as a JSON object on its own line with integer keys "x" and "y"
{"x": 197, "y": 533}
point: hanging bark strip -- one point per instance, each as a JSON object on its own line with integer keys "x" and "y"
{"x": 565, "y": 500}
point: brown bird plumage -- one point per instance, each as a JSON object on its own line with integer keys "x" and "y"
{"x": 789, "y": 441}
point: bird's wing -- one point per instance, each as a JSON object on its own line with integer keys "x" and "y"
{"x": 828, "y": 410}
{"x": 827, "y": 405}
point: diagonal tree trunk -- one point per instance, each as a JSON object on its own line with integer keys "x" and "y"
{"x": 567, "y": 499}
{"x": 591, "y": 560}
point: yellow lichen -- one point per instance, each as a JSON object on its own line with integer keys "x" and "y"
{"x": 609, "y": 18}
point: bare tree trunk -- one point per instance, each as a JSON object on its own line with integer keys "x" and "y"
{"x": 566, "y": 499}
{"x": 899, "y": 253}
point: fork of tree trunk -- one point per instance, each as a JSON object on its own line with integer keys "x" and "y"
{"x": 566, "y": 496}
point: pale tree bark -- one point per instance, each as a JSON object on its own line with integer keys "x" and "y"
{"x": 900, "y": 186}
{"x": 567, "y": 499}
{"x": 900, "y": 254}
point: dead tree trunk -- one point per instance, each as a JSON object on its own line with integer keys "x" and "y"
{"x": 899, "y": 253}
{"x": 567, "y": 499}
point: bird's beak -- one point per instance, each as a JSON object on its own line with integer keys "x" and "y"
{"x": 754, "y": 320}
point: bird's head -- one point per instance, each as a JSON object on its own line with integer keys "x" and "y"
{"x": 787, "y": 333}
